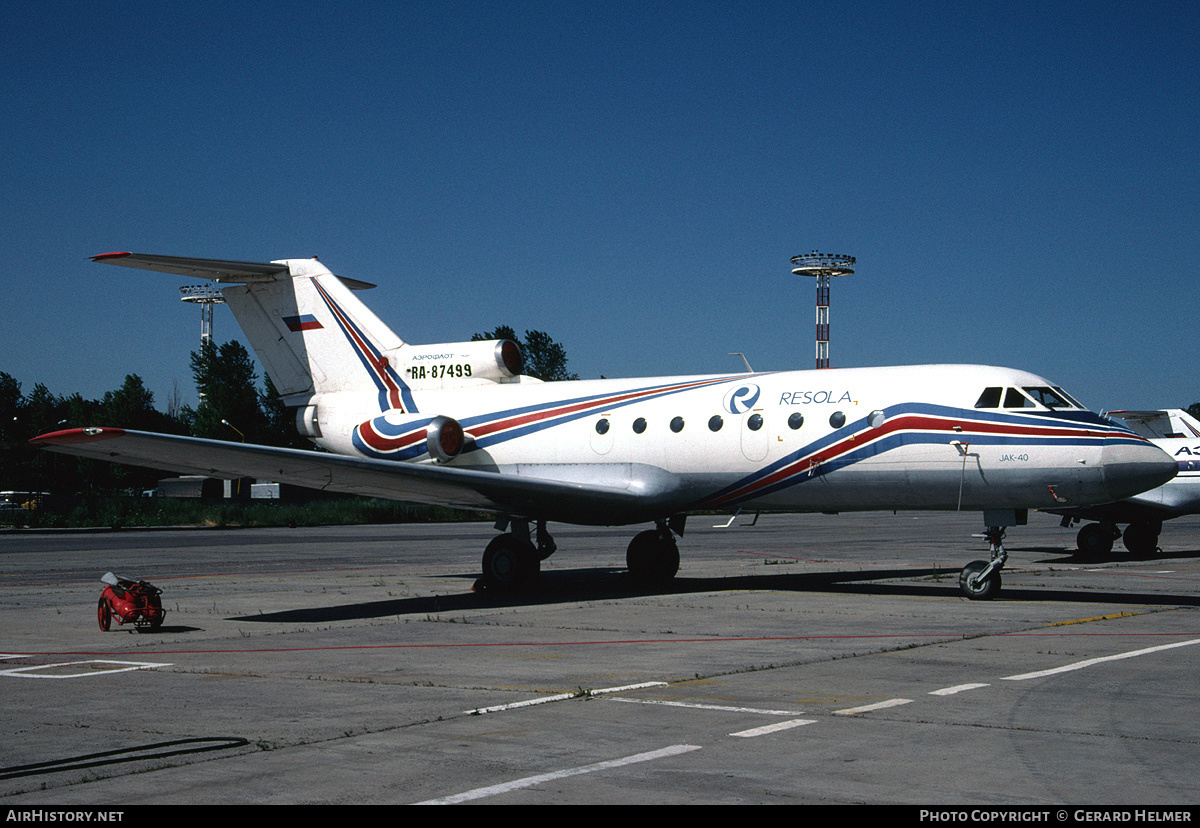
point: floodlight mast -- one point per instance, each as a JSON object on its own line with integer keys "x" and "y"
{"x": 822, "y": 266}
{"x": 205, "y": 296}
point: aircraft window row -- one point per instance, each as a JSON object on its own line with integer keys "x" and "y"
{"x": 715, "y": 423}
{"x": 1028, "y": 397}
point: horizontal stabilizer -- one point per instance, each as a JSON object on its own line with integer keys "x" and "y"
{"x": 218, "y": 270}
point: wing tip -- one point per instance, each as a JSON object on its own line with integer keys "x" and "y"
{"x": 72, "y": 436}
{"x": 106, "y": 256}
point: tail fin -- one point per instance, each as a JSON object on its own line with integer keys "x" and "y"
{"x": 314, "y": 336}
{"x": 310, "y": 332}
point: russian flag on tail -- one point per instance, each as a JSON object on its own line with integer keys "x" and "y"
{"x": 305, "y": 322}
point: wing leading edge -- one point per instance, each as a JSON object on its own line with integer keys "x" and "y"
{"x": 218, "y": 270}
{"x": 634, "y": 493}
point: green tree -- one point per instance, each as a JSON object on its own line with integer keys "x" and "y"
{"x": 12, "y": 404}
{"x": 1194, "y": 410}
{"x": 229, "y": 401}
{"x": 544, "y": 358}
{"x": 130, "y": 406}
{"x": 43, "y": 411}
{"x": 280, "y": 420}
{"x": 14, "y": 431}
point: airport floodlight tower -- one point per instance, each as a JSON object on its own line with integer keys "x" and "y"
{"x": 823, "y": 266}
{"x": 205, "y": 296}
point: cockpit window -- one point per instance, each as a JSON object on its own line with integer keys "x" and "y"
{"x": 1069, "y": 398}
{"x": 990, "y": 398}
{"x": 1013, "y": 398}
{"x": 1048, "y": 397}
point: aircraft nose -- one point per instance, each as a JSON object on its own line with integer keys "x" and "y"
{"x": 1133, "y": 468}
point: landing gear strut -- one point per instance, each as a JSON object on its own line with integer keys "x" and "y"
{"x": 512, "y": 560}
{"x": 980, "y": 580}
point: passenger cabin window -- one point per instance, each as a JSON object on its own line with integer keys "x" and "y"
{"x": 990, "y": 398}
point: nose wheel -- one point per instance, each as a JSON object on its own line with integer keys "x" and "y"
{"x": 980, "y": 580}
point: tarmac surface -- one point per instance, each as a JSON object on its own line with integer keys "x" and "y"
{"x": 805, "y": 659}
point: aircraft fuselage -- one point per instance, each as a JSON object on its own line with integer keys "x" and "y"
{"x": 829, "y": 440}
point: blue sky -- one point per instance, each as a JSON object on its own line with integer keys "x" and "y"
{"x": 1017, "y": 181}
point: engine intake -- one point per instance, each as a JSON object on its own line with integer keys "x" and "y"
{"x": 444, "y": 439}
{"x": 458, "y": 363}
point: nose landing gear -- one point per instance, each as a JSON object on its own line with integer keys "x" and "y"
{"x": 980, "y": 580}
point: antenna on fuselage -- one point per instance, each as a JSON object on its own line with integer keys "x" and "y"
{"x": 823, "y": 266}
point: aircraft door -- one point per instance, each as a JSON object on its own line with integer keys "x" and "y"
{"x": 602, "y": 435}
{"x": 754, "y": 436}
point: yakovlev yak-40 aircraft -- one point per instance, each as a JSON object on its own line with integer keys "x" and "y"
{"x": 457, "y": 424}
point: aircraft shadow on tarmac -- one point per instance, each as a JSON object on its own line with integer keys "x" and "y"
{"x": 165, "y": 628}
{"x": 1115, "y": 556}
{"x": 566, "y": 586}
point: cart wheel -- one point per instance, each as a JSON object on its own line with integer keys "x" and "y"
{"x": 103, "y": 615}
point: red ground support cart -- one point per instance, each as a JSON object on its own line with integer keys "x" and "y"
{"x": 127, "y": 601}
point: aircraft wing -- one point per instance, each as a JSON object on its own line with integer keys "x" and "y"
{"x": 632, "y": 493}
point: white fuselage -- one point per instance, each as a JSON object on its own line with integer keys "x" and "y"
{"x": 845, "y": 439}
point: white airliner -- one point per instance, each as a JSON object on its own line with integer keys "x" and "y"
{"x": 457, "y": 424}
{"x": 1178, "y": 434}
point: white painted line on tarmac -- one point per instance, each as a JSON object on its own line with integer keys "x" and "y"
{"x": 627, "y": 687}
{"x": 530, "y": 781}
{"x": 722, "y": 708}
{"x": 1079, "y": 665}
{"x": 773, "y": 728}
{"x": 126, "y": 666}
{"x": 867, "y": 708}
{"x": 958, "y": 688}
{"x": 563, "y": 697}
{"x": 527, "y": 703}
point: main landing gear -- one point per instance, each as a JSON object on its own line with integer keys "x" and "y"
{"x": 1095, "y": 540}
{"x": 513, "y": 560}
{"x": 653, "y": 556}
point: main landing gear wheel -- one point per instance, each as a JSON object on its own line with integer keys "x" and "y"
{"x": 1095, "y": 540}
{"x": 509, "y": 562}
{"x": 1142, "y": 538}
{"x": 977, "y": 586}
{"x": 652, "y": 557}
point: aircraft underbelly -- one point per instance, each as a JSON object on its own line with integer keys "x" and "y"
{"x": 920, "y": 479}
